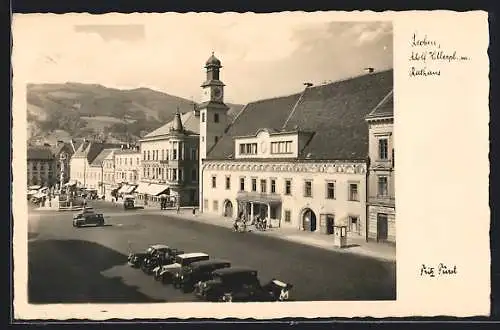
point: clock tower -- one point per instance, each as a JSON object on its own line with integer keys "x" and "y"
{"x": 213, "y": 111}
{"x": 213, "y": 115}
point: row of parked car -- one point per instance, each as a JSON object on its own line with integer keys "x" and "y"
{"x": 212, "y": 280}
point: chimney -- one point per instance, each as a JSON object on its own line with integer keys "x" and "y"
{"x": 369, "y": 70}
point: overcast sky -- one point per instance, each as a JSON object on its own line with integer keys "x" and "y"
{"x": 263, "y": 55}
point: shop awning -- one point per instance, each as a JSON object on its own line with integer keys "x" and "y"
{"x": 127, "y": 189}
{"x": 152, "y": 189}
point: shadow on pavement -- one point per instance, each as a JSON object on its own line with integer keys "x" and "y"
{"x": 69, "y": 271}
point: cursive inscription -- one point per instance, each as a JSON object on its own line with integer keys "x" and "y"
{"x": 438, "y": 270}
{"x": 427, "y": 57}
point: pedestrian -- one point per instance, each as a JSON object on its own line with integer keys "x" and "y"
{"x": 178, "y": 208}
{"x": 194, "y": 211}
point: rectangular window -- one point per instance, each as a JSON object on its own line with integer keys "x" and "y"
{"x": 193, "y": 154}
{"x": 248, "y": 148}
{"x": 203, "y": 117}
{"x": 242, "y": 184}
{"x": 228, "y": 182}
{"x": 263, "y": 186}
{"x": 125, "y": 161}
{"x": 288, "y": 187}
{"x": 393, "y": 158}
{"x": 174, "y": 174}
{"x": 162, "y": 154}
{"x": 193, "y": 175}
{"x": 144, "y": 154}
{"x": 216, "y": 205}
{"x": 216, "y": 117}
{"x": 353, "y": 192}
{"x": 174, "y": 154}
{"x": 353, "y": 224}
{"x": 181, "y": 176}
{"x": 273, "y": 186}
{"x": 136, "y": 161}
{"x": 281, "y": 147}
{"x": 383, "y": 149}
{"x": 254, "y": 184}
{"x": 205, "y": 204}
{"x": 148, "y": 156}
{"x": 288, "y": 216}
{"x": 307, "y": 188}
{"x": 273, "y": 212}
{"x": 330, "y": 190}
{"x": 214, "y": 182}
{"x": 382, "y": 186}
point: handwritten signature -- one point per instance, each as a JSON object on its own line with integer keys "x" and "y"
{"x": 439, "y": 270}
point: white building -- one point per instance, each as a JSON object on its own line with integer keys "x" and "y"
{"x": 299, "y": 160}
{"x": 85, "y": 167}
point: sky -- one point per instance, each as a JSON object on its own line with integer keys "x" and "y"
{"x": 263, "y": 55}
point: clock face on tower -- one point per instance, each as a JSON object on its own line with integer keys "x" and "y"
{"x": 217, "y": 93}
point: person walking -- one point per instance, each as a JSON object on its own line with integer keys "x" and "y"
{"x": 178, "y": 208}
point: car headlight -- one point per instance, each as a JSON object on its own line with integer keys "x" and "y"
{"x": 182, "y": 277}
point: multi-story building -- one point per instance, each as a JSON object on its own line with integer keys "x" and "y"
{"x": 127, "y": 166}
{"x": 169, "y": 162}
{"x": 299, "y": 160}
{"x": 108, "y": 175}
{"x": 381, "y": 196}
{"x": 41, "y": 167}
{"x": 85, "y": 170}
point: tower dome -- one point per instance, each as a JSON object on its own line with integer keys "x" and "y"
{"x": 177, "y": 124}
{"x": 213, "y": 61}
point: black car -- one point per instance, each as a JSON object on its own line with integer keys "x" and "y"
{"x": 128, "y": 204}
{"x": 159, "y": 258}
{"x": 196, "y": 272}
{"x": 166, "y": 273}
{"x": 136, "y": 259}
{"x": 88, "y": 218}
{"x": 241, "y": 284}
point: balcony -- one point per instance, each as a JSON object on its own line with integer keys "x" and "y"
{"x": 253, "y": 196}
{"x": 382, "y": 200}
{"x": 381, "y": 164}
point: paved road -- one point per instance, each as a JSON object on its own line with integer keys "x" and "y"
{"x": 68, "y": 265}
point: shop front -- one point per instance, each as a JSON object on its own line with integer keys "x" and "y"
{"x": 152, "y": 194}
{"x": 262, "y": 206}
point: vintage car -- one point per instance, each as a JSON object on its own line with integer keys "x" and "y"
{"x": 167, "y": 272}
{"x": 196, "y": 272}
{"x": 88, "y": 218}
{"x": 136, "y": 259}
{"x": 159, "y": 258}
{"x": 241, "y": 285}
{"x": 128, "y": 203}
{"x": 84, "y": 212}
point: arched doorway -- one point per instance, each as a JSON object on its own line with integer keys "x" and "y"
{"x": 308, "y": 220}
{"x": 228, "y": 208}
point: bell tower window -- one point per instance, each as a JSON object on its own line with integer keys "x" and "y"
{"x": 216, "y": 117}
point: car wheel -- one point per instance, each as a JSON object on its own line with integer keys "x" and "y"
{"x": 226, "y": 297}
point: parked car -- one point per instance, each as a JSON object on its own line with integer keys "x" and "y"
{"x": 83, "y": 219}
{"x": 159, "y": 258}
{"x": 84, "y": 212}
{"x": 167, "y": 272}
{"x": 128, "y": 203}
{"x": 196, "y": 272}
{"x": 135, "y": 259}
{"x": 241, "y": 284}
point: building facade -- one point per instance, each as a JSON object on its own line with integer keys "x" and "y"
{"x": 85, "y": 168}
{"x": 41, "y": 167}
{"x": 127, "y": 166}
{"x": 381, "y": 194}
{"x": 108, "y": 176}
{"x": 300, "y": 161}
{"x": 169, "y": 162}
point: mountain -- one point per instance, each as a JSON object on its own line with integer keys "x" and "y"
{"x": 60, "y": 111}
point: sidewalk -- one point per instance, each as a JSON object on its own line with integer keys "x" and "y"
{"x": 354, "y": 245}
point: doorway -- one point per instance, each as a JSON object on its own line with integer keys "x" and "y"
{"x": 309, "y": 220}
{"x": 330, "y": 222}
{"x": 228, "y": 209}
{"x": 382, "y": 227}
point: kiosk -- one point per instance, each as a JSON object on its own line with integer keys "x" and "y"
{"x": 340, "y": 236}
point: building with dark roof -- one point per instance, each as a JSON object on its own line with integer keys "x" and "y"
{"x": 86, "y": 163}
{"x": 41, "y": 167}
{"x": 169, "y": 162}
{"x": 299, "y": 161}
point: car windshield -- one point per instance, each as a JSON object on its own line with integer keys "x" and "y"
{"x": 179, "y": 260}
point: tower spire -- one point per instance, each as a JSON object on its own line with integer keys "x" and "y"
{"x": 177, "y": 125}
